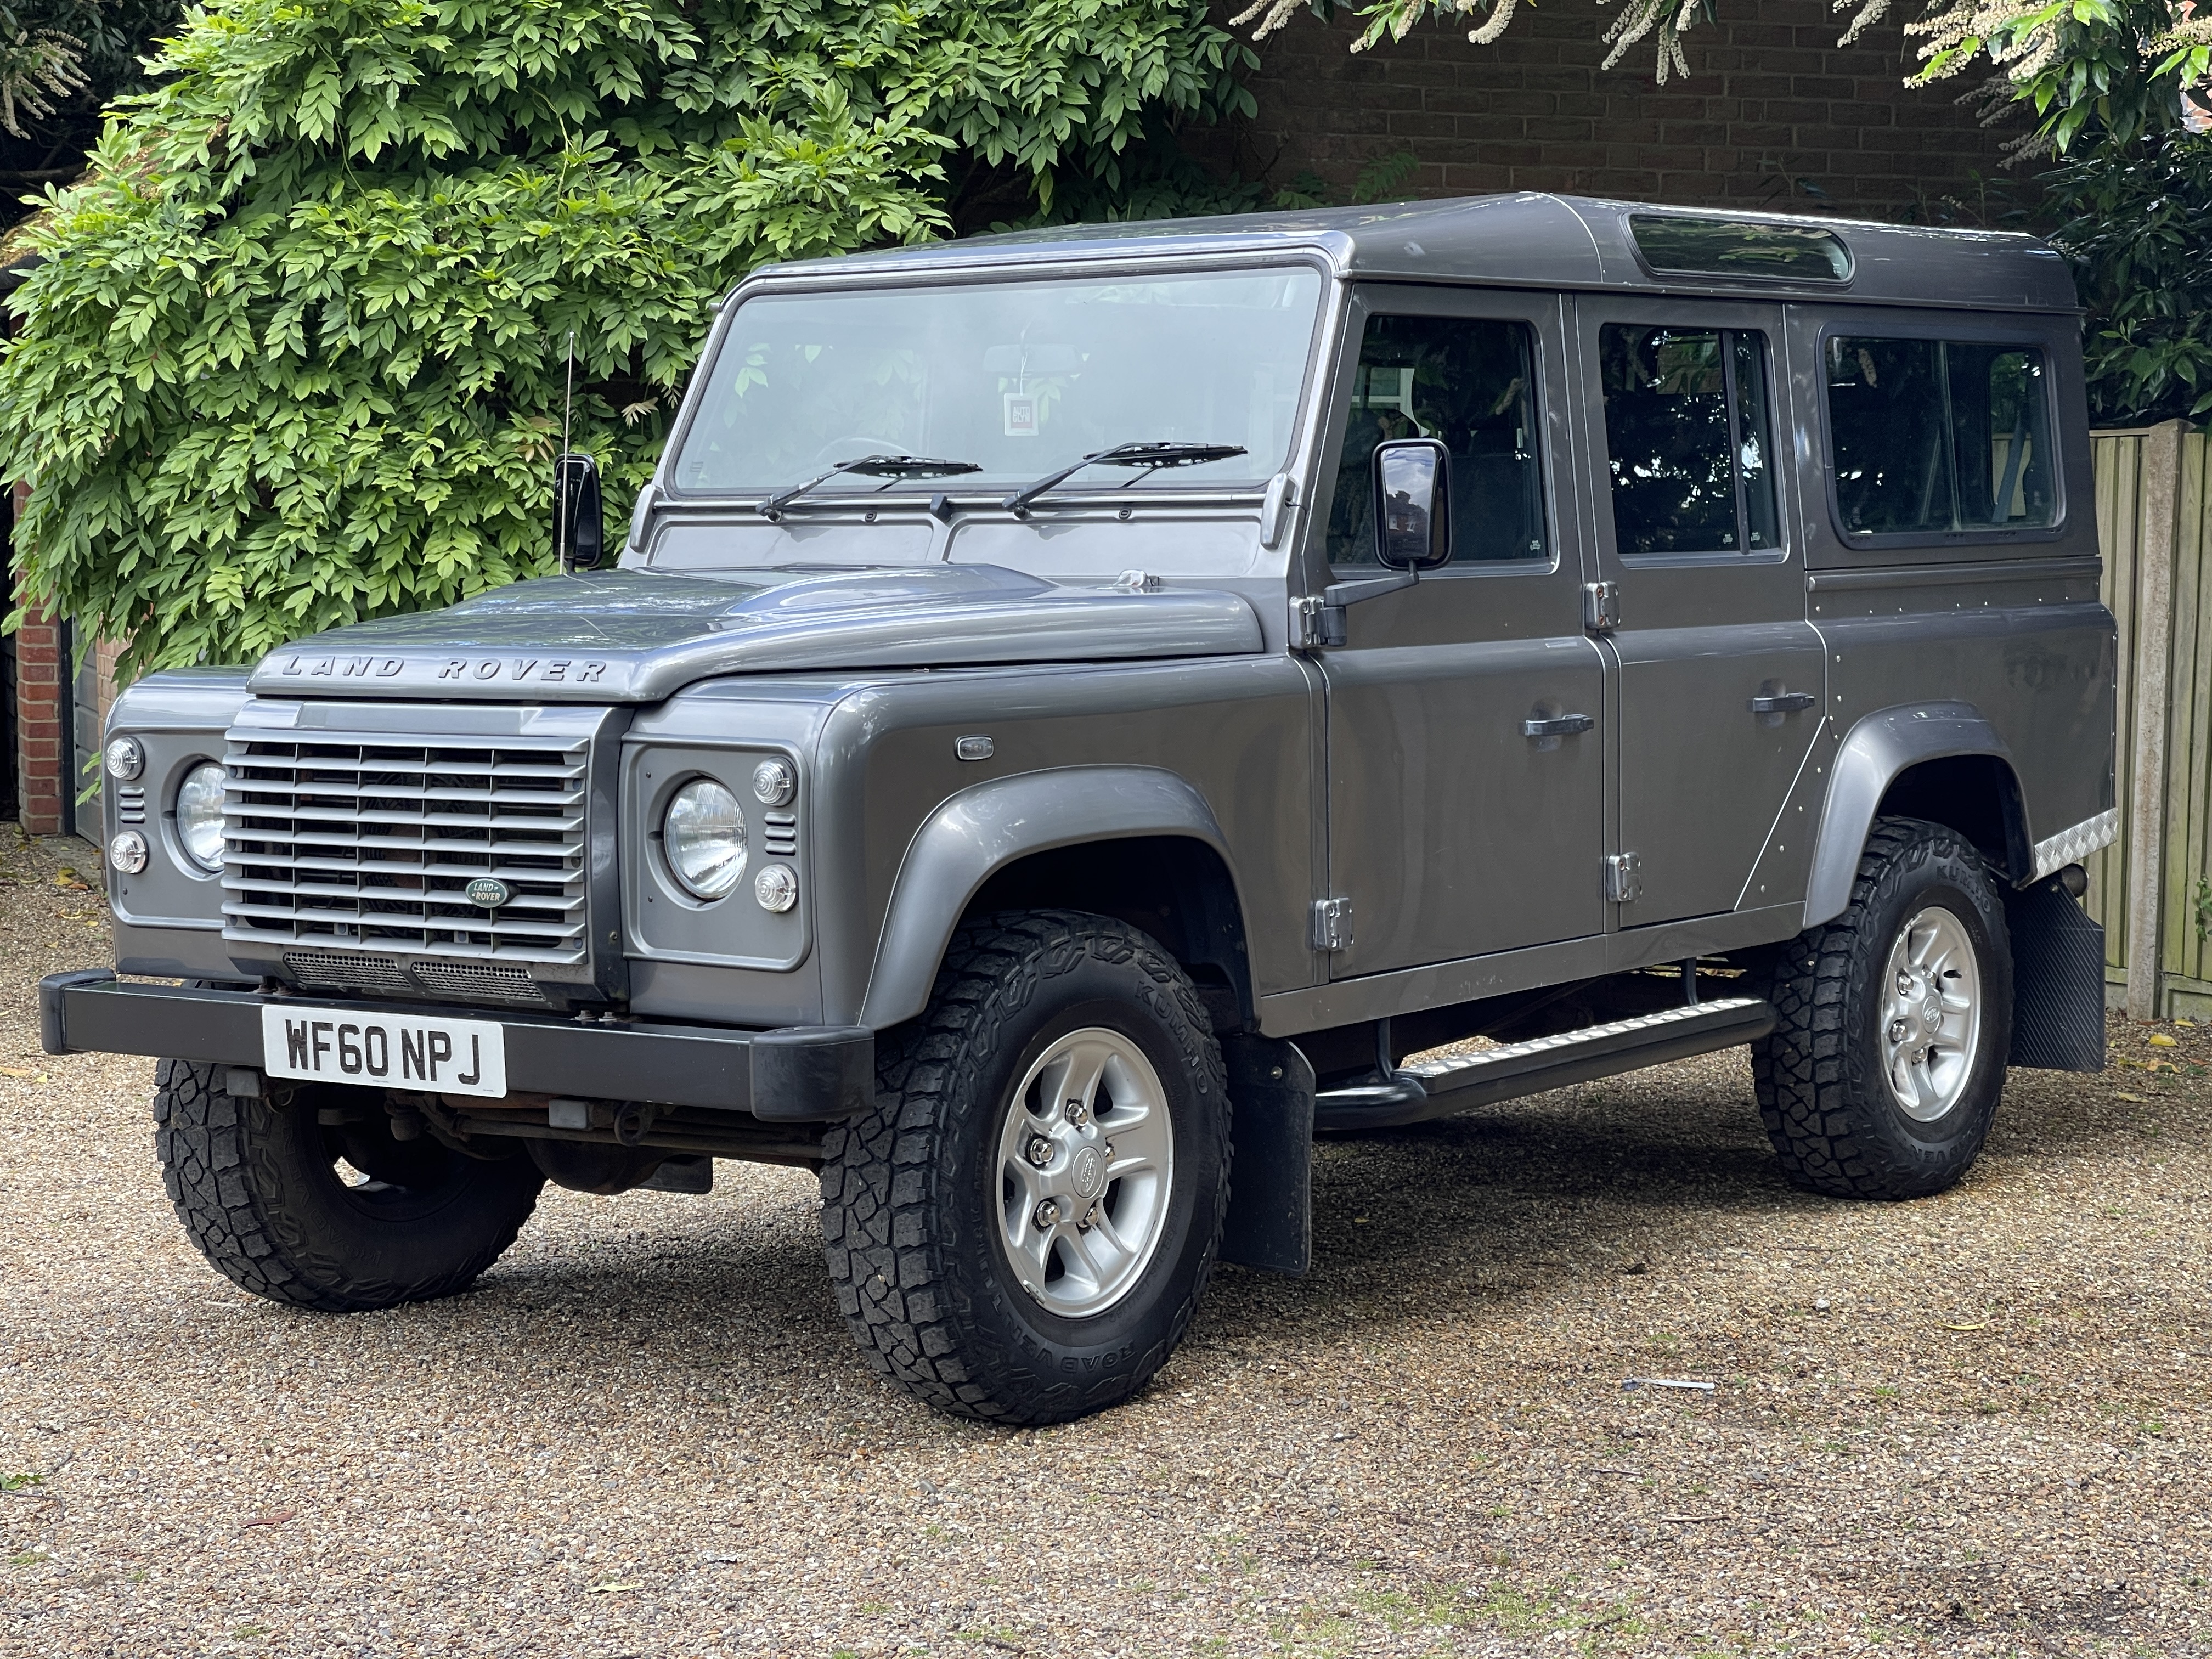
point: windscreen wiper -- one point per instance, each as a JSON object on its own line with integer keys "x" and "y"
{"x": 868, "y": 466}
{"x": 1146, "y": 455}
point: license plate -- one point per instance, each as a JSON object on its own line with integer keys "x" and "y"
{"x": 385, "y": 1051}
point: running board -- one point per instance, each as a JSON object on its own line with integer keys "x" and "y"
{"x": 1434, "y": 1088}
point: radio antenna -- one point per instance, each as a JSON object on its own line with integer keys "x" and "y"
{"x": 561, "y": 491}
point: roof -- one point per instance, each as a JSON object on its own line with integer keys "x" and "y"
{"x": 1528, "y": 239}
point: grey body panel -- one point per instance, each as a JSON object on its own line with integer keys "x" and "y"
{"x": 985, "y": 827}
{"x": 1442, "y": 984}
{"x": 640, "y": 636}
{"x": 1237, "y": 732}
{"x": 1433, "y": 787}
{"x": 1701, "y": 779}
{"x": 180, "y": 716}
{"x": 1875, "y": 752}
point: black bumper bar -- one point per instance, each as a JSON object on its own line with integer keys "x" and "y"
{"x": 800, "y": 1075}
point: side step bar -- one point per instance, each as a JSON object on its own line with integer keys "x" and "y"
{"x": 1436, "y": 1088}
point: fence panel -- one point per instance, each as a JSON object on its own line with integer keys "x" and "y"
{"x": 2119, "y": 464}
{"x": 2151, "y": 548}
{"x": 2189, "y": 739}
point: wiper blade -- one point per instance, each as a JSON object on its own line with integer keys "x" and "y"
{"x": 1155, "y": 455}
{"x": 868, "y": 466}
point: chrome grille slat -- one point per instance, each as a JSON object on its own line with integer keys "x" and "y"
{"x": 353, "y": 842}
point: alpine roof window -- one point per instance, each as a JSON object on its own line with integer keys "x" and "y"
{"x": 1735, "y": 247}
{"x": 1938, "y": 436}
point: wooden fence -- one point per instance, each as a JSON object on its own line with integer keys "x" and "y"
{"x": 2152, "y": 889}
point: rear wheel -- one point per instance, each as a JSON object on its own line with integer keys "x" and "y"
{"x": 340, "y": 1216}
{"x": 1021, "y": 1229}
{"x": 1882, "y": 1073}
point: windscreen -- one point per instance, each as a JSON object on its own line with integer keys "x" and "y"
{"x": 1020, "y": 377}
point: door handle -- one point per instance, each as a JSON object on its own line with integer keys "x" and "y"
{"x": 1558, "y": 726}
{"x": 1782, "y": 703}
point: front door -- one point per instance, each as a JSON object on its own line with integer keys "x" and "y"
{"x": 1720, "y": 683}
{"x": 1455, "y": 829}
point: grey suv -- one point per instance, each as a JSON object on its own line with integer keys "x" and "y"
{"x": 1079, "y": 714}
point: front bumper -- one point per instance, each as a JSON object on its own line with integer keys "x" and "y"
{"x": 800, "y": 1075}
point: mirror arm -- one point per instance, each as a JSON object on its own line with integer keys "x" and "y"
{"x": 1337, "y": 595}
{"x": 1323, "y": 622}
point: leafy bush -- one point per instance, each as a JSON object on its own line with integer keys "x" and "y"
{"x": 295, "y": 354}
{"x": 2137, "y": 222}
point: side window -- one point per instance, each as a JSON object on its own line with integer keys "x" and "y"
{"x": 1938, "y": 435}
{"x": 1688, "y": 440}
{"x": 1469, "y": 382}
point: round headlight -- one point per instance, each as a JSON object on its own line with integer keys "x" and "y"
{"x": 126, "y": 759}
{"x": 199, "y": 815}
{"x": 127, "y": 852}
{"x": 703, "y": 834}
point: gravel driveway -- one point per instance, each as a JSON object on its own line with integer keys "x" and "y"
{"x": 1971, "y": 1425}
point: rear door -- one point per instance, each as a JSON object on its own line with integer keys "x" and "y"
{"x": 1719, "y": 680}
{"x": 1453, "y": 831}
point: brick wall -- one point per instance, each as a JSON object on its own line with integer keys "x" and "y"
{"x": 38, "y": 737}
{"x": 1771, "y": 100}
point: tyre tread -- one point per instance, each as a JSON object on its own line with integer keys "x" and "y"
{"x": 222, "y": 1178}
{"x": 1809, "y": 1074}
{"x": 904, "y": 1302}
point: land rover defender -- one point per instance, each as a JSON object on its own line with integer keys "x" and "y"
{"x": 1078, "y": 712}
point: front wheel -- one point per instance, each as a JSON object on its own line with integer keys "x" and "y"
{"x": 1022, "y": 1228}
{"x": 310, "y": 1199}
{"x": 1882, "y": 1073}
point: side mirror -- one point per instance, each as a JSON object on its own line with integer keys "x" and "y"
{"x": 580, "y": 531}
{"x": 1413, "y": 504}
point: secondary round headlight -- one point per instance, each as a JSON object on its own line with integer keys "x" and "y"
{"x": 199, "y": 815}
{"x": 704, "y": 833}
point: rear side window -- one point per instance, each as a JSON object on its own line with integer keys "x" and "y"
{"x": 1471, "y": 383}
{"x": 1688, "y": 441}
{"x": 1936, "y": 436}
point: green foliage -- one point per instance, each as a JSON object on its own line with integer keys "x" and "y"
{"x": 2136, "y": 220}
{"x": 295, "y": 354}
{"x": 61, "y": 63}
{"x": 2115, "y": 70}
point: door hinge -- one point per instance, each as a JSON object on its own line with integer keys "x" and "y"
{"x": 1601, "y": 606}
{"x": 1624, "y": 878}
{"x": 1313, "y": 624}
{"x": 1331, "y": 924}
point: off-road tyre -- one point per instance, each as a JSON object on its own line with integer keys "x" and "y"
{"x": 1835, "y": 1124}
{"x": 907, "y": 1189}
{"x": 254, "y": 1182}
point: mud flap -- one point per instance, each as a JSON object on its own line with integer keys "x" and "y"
{"x": 2058, "y": 981}
{"x": 1271, "y": 1096}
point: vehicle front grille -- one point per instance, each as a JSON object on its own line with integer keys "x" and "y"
{"x": 362, "y": 848}
{"x": 468, "y": 982}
